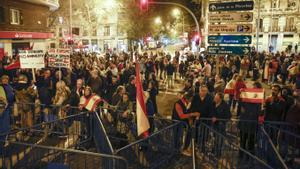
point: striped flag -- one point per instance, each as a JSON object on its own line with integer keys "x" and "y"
{"x": 141, "y": 113}
{"x": 91, "y": 103}
{"x": 250, "y": 95}
{"x": 14, "y": 65}
{"x": 229, "y": 91}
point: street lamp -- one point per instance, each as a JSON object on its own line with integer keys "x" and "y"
{"x": 176, "y": 12}
{"x": 157, "y": 20}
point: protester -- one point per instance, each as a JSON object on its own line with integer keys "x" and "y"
{"x": 181, "y": 113}
{"x": 25, "y": 97}
{"x": 220, "y": 116}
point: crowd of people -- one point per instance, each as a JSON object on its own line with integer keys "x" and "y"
{"x": 211, "y": 87}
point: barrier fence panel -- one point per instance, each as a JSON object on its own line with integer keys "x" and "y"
{"x": 100, "y": 136}
{"x": 29, "y": 114}
{"x": 286, "y": 138}
{"x": 69, "y": 132}
{"x": 230, "y": 148}
{"x": 23, "y": 156}
{"x": 154, "y": 151}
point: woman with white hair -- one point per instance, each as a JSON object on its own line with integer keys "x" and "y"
{"x": 61, "y": 98}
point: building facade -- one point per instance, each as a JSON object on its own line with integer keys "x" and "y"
{"x": 279, "y": 23}
{"x": 88, "y": 29}
{"x": 24, "y": 24}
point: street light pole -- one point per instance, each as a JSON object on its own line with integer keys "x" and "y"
{"x": 181, "y": 6}
{"x": 71, "y": 20}
{"x": 258, "y": 25}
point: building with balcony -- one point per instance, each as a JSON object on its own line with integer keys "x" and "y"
{"x": 24, "y": 24}
{"x": 279, "y": 23}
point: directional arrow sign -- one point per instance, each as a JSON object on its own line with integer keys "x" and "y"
{"x": 229, "y": 50}
{"x": 231, "y": 6}
{"x": 231, "y": 17}
{"x": 233, "y": 28}
{"x": 230, "y": 39}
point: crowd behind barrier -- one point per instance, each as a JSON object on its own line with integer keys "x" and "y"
{"x": 94, "y": 81}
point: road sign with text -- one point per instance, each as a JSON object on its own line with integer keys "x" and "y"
{"x": 231, "y": 17}
{"x": 232, "y": 28}
{"x": 229, "y": 50}
{"x": 230, "y": 39}
{"x": 231, "y": 6}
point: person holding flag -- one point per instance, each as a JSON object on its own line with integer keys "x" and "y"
{"x": 88, "y": 102}
{"x": 251, "y": 110}
{"x": 181, "y": 113}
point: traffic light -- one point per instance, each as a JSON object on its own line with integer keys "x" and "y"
{"x": 197, "y": 38}
{"x": 144, "y": 4}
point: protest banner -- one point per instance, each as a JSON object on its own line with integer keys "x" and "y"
{"x": 30, "y": 59}
{"x": 59, "y": 58}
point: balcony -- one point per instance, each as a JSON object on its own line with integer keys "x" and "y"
{"x": 52, "y": 4}
{"x": 271, "y": 29}
{"x": 290, "y": 29}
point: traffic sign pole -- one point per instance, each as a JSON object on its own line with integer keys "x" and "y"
{"x": 257, "y": 25}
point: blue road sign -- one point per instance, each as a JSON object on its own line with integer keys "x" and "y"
{"x": 230, "y": 39}
{"x": 229, "y": 50}
{"x": 231, "y": 6}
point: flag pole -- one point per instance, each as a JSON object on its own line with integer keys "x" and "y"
{"x": 193, "y": 143}
{"x": 33, "y": 74}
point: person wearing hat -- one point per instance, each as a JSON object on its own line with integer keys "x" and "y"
{"x": 181, "y": 113}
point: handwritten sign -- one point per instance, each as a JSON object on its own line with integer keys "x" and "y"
{"x": 32, "y": 59}
{"x": 59, "y": 58}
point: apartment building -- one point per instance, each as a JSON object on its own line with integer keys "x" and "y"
{"x": 24, "y": 24}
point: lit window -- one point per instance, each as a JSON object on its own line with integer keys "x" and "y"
{"x": 106, "y": 30}
{"x": 15, "y": 17}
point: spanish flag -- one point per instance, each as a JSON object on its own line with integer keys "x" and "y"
{"x": 141, "y": 113}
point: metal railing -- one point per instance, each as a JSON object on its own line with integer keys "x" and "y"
{"x": 215, "y": 147}
{"x": 23, "y": 155}
{"x": 272, "y": 142}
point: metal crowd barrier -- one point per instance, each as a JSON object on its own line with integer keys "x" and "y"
{"x": 73, "y": 129}
{"x": 152, "y": 152}
{"x": 286, "y": 138}
{"x": 24, "y": 156}
{"x": 29, "y": 114}
{"x": 273, "y": 143}
{"x": 56, "y": 144}
{"x": 221, "y": 152}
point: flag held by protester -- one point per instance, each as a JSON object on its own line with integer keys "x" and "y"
{"x": 250, "y": 95}
{"x": 141, "y": 113}
{"x": 91, "y": 103}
